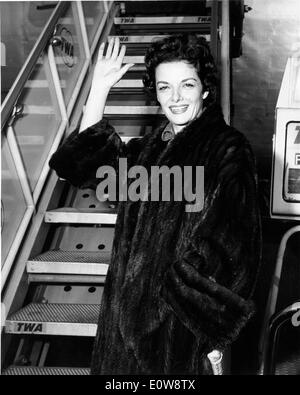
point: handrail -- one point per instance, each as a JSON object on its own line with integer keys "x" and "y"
{"x": 15, "y": 90}
{"x": 275, "y": 324}
{"x": 272, "y": 298}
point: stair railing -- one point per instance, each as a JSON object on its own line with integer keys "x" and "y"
{"x": 20, "y": 189}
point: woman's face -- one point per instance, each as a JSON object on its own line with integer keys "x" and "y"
{"x": 179, "y": 92}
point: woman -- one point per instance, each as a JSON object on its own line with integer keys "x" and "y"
{"x": 179, "y": 283}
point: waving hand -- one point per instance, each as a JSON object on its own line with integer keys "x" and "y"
{"x": 108, "y": 70}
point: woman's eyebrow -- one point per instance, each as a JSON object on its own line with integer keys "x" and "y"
{"x": 191, "y": 78}
{"x": 186, "y": 79}
{"x": 162, "y": 82}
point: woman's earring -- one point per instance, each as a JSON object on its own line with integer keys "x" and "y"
{"x": 205, "y": 94}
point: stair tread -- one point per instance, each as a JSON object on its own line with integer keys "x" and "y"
{"x": 81, "y": 216}
{"x": 129, "y": 84}
{"x": 72, "y": 256}
{"x": 44, "y": 371}
{"x": 82, "y": 263}
{"x": 133, "y": 110}
{"x": 146, "y": 39}
{"x": 82, "y": 210}
{"x": 58, "y": 313}
{"x": 134, "y": 59}
{"x": 162, "y": 20}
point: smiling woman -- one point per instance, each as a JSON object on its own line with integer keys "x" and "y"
{"x": 179, "y": 92}
{"x": 179, "y": 283}
{"x": 186, "y": 54}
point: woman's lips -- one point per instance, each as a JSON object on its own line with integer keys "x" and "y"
{"x": 178, "y": 109}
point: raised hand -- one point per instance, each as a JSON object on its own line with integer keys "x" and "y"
{"x": 108, "y": 70}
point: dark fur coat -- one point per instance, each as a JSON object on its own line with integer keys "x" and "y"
{"x": 179, "y": 284}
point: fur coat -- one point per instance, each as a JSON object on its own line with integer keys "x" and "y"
{"x": 179, "y": 283}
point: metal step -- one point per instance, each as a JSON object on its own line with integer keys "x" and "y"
{"x": 143, "y": 39}
{"x": 137, "y": 68}
{"x": 139, "y": 64}
{"x": 147, "y": 39}
{"x": 162, "y": 20}
{"x": 134, "y": 59}
{"x": 70, "y": 262}
{"x": 47, "y": 278}
{"x": 133, "y": 110}
{"x": 54, "y": 319}
{"x": 129, "y": 84}
{"x": 44, "y": 371}
{"x": 80, "y": 216}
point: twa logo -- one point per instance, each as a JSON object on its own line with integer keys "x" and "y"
{"x": 29, "y": 327}
{"x": 65, "y": 45}
{"x": 296, "y": 316}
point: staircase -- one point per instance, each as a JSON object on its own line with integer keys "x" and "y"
{"x": 52, "y": 332}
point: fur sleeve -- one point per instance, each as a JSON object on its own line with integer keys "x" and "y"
{"x": 209, "y": 288}
{"x": 80, "y": 155}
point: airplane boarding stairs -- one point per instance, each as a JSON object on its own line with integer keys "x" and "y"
{"x": 53, "y": 312}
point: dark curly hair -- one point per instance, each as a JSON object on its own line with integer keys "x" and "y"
{"x": 194, "y": 50}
